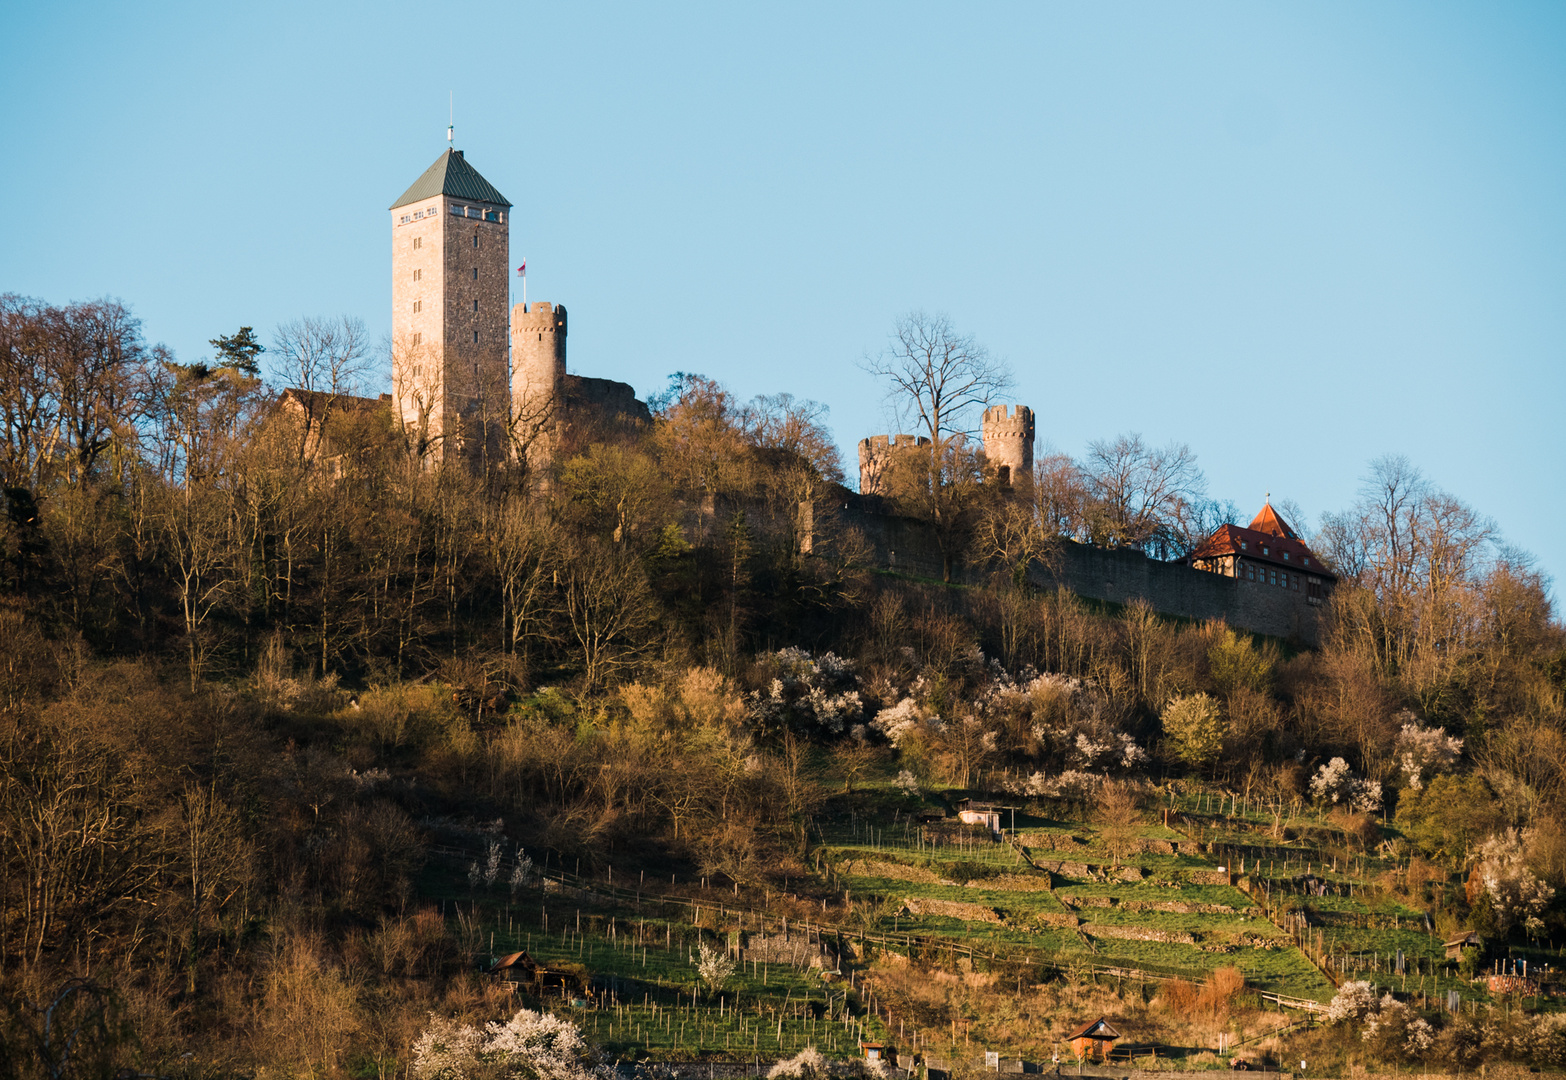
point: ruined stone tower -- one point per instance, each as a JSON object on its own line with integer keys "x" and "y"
{"x": 538, "y": 368}
{"x": 1008, "y": 442}
{"x": 875, "y": 459}
{"x": 450, "y": 281}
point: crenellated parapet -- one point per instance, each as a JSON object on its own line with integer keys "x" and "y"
{"x": 875, "y": 458}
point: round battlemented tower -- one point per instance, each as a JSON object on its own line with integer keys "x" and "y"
{"x": 1008, "y": 441}
{"x": 538, "y": 367}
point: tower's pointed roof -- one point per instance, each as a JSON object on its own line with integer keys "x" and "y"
{"x": 1269, "y": 521}
{"x": 451, "y": 175}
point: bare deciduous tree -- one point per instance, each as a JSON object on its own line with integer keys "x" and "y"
{"x": 325, "y": 358}
{"x": 937, "y": 376}
{"x": 608, "y": 610}
{"x": 942, "y": 483}
{"x": 1117, "y": 818}
{"x": 71, "y": 388}
{"x": 798, "y": 460}
{"x": 1143, "y": 496}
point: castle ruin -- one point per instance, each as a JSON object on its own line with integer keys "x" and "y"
{"x": 1007, "y": 432}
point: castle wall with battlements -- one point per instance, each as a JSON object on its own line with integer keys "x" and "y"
{"x": 1116, "y": 575}
{"x": 875, "y": 459}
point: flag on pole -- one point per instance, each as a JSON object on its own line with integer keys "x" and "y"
{"x": 522, "y": 270}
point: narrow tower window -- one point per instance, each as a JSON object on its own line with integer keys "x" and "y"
{"x": 475, "y": 239}
{"x": 475, "y": 273}
{"x": 475, "y": 337}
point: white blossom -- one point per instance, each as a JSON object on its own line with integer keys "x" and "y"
{"x": 521, "y": 873}
{"x": 808, "y": 692}
{"x": 902, "y": 720}
{"x": 1406, "y": 1029}
{"x": 714, "y": 966}
{"x": 1422, "y": 751}
{"x": 1354, "y": 1001}
{"x": 529, "y": 1046}
{"x": 1517, "y": 897}
{"x": 1070, "y": 784}
{"x": 1335, "y": 782}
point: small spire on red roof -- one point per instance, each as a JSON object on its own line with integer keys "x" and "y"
{"x": 1270, "y": 521}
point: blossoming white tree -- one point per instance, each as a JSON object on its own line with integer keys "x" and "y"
{"x": 1422, "y": 752}
{"x": 529, "y": 1046}
{"x": 1394, "y": 1030}
{"x": 1336, "y": 783}
{"x": 1517, "y": 897}
{"x": 714, "y": 966}
{"x": 808, "y": 693}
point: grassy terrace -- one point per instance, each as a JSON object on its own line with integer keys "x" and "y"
{"x": 884, "y": 884}
{"x": 647, "y": 997}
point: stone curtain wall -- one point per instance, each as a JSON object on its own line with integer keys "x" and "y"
{"x": 1122, "y": 575}
{"x": 1118, "y": 575}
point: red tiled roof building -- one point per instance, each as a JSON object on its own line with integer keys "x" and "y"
{"x": 1268, "y": 552}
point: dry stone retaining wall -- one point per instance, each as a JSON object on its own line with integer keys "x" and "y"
{"x": 1140, "y": 933}
{"x": 951, "y": 909}
{"x": 891, "y": 870}
{"x": 1048, "y": 841}
{"x": 1012, "y": 883}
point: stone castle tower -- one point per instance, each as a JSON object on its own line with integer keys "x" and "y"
{"x": 450, "y": 281}
{"x": 875, "y": 459}
{"x": 1008, "y": 442}
{"x": 538, "y": 368}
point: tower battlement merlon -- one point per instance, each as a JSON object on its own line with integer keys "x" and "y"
{"x": 539, "y": 313}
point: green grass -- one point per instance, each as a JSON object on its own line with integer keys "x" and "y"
{"x": 653, "y": 1004}
{"x": 774, "y": 1010}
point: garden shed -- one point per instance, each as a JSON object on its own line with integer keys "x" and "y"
{"x": 1094, "y": 1041}
{"x": 1465, "y": 940}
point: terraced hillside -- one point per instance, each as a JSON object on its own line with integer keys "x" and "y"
{"x": 889, "y": 882}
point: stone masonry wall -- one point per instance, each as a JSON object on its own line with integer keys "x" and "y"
{"x": 1118, "y": 575}
{"x": 477, "y": 283}
{"x": 418, "y": 312}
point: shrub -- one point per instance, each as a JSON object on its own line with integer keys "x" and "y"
{"x": 1195, "y": 728}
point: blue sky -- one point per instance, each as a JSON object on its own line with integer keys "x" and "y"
{"x": 1294, "y": 236}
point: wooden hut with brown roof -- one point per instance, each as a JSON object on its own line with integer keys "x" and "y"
{"x": 1466, "y": 940}
{"x": 1093, "y": 1041}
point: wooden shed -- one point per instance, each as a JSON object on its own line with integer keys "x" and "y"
{"x": 875, "y": 1051}
{"x": 1094, "y": 1041}
{"x": 970, "y": 812}
{"x": 1466, "y": 940}
{"x": 522, "y": 969}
